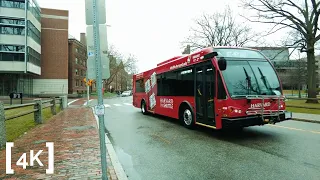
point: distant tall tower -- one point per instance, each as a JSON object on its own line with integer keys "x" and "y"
{"x": 83, "y": 38}
{"x": 186, "y": 50}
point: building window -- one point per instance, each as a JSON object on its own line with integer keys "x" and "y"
{"x": 11, "y": 56}
{"x": 13, "y": 48}
{"x": 33, "y": 7}
{"x": 76, "y": 71}
{"x": 77, "y": 50}
{"x": 76, "y": 60}
{"x": 34, "y": 57}
{"x": 11, "y": 20}
{"x": 34, "y": 33}
{"x": 12, "y": 30}
{"x": 81, "y": 84}
{"x": 12, "y": 4}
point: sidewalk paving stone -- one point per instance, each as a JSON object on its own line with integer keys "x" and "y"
{"x": 76, "y": 148}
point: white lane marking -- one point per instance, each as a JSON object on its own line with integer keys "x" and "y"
{"x": 72, "y": 101}
{"x": 86, "y": 102}
{"x": 106, "y": 105}
{"x": 117, "y": 104}
{"x": 296, "y": 129}
{"x": 127, "y": 104}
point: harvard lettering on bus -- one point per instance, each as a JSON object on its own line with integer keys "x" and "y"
{"x": 213, "y": 88}
{"x": 166, "y": 103}
{"x": 258, "y": 105}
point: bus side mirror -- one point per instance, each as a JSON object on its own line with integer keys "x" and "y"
{"x": 210, "y": 55}
{"x": 222, "y": 63}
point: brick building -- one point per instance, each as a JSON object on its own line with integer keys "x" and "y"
{"x": 54, "y": 60}
{"x": 77, "y": 65}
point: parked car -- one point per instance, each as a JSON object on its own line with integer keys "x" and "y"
{"x": 126, "y": 93}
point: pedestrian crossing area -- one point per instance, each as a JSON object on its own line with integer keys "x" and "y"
{"x": 117, "y": 105}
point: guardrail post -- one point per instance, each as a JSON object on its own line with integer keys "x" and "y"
{"x": 63, "y": 102}
{"x": 38, "y": 113}
{"x": 53, "y": 107}
{"x": 3, "y": 138}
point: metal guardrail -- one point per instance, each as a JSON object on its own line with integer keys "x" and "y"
{"x": 38, "y": 106}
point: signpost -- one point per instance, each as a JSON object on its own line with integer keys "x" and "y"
{"x": 91, "y": 63}
{"x": 94, "y": 17}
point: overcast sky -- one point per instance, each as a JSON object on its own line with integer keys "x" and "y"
{"x": 150, "y": 30}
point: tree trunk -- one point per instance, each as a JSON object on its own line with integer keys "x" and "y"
{"x": 312, "y": 93}
{"x": 299, "y": 86}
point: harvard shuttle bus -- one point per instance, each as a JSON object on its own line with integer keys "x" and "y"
{"x": 219, "y": 87}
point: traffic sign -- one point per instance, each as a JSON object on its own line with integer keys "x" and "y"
{"x": 101, "y": 11}
{"x": 91, "y": 63}
{"x": 99, "y": 110}
{"x": 90, "y": 53}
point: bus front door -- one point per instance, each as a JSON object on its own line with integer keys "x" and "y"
{"x": 205, "y": 90}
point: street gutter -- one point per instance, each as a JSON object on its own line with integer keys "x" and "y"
{"x": 306, "y": 120}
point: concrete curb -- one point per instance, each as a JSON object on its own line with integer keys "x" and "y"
{"x": 72, "y": 101}
{"x": 121, "y": 175}
{"x": 306, "y": 120}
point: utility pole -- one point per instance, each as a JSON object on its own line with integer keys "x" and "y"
{"x": 100, "y": 106}
{"x": 98, "y": 64}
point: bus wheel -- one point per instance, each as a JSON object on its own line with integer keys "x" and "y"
{"x": 143, "y": 108}
{"x": 187, "y": 117}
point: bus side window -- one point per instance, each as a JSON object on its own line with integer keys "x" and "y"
{"x": 185, "y": 82}
{"x": 221, "y": 91}
{"x": 159, "y": 85}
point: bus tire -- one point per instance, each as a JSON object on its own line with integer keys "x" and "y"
{"x": 187, "y": 117}
{"x": 143, "y": 107}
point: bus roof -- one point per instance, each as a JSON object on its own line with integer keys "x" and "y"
{"x": 185, "y": 60}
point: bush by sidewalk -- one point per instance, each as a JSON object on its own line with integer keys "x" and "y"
{"x": 18, "y": 126}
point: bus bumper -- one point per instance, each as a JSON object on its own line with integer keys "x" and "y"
{"x": 255, "y": 120}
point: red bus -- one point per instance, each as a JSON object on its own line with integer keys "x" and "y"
{"x": 218, "y": 87}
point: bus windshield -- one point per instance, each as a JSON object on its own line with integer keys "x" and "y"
{"x": 250, "y": 77}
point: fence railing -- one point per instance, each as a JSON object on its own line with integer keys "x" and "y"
{"x": 38, "y": 106}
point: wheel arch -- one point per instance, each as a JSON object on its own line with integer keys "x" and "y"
{"x": 182, "y": 105}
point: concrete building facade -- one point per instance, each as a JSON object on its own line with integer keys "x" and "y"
{"x": 20, "y": 45}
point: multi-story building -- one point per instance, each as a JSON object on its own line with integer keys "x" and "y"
{"x": 33, "y": 49}
{"x": 77, "y": 65}
{"x": 54, "y": 60}
{"x": 20, "y": 45}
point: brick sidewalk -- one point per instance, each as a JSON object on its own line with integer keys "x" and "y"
{"x": 76, "y": 148}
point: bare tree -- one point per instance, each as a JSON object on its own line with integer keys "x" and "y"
{"x": 118, "y": 63}
{"x": 219, "y": 29}
{"x": 300, "y": 73}
{"x": 281, "y": 13}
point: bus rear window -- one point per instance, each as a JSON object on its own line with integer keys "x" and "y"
{"x": 139, "y": 86}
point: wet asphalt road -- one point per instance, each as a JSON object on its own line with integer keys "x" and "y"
{"x": 156, "y": 148}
